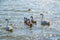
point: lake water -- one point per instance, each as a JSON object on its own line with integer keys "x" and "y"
{"x": 16, "y": 10}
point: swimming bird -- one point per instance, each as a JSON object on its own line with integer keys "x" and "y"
{"x": 32, "y": 20}
{"x": 29, "y": 23}
{"x": 29, "y": 9}
{"x": 44, "y": 22}
{"x": 9, "y": 28}
{"x": 25, "y": 20}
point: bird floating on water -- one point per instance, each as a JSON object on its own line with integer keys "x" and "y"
{"x": 27, "y": 22}
{"x": 29, "y": 9}
{"x": 44, "y": 22}
{"x": 9, "y": 28}
{"x": 32, "y": 20}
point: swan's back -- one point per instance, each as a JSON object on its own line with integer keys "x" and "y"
{"x": 9, "y": 28}
{"x": 44, "y": 23}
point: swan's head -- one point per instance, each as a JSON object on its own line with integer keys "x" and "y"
{"x": 24, "y": 17}
{"x": 6, "y": 19}
{"x": 31, "y": 17}
{"x": 41, "y": 14}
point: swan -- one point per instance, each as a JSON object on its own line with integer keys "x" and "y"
{"x": 44, "y": 22}
{"x": 27, "y": 22}
{"x": 32, "y": 20}
{"x": 9, "y": 28}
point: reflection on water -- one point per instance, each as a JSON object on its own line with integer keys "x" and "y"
{"x": 16, "y": 10}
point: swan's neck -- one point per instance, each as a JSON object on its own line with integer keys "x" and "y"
{"x": 7, "y": 23}
{"x": 31, "y": 18}
{"x": 41, "y": 18}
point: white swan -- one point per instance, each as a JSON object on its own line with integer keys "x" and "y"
{"x": 44, "y": 22}
{"x": 9, "y": 28}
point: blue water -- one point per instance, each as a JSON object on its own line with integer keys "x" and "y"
{"x": 16, "y": 10}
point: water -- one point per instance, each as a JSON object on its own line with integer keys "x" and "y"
{"x": 16, "y": 10}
